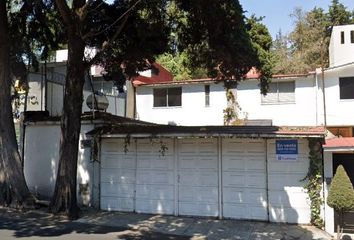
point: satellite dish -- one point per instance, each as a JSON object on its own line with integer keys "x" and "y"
{"x": 97, "y": 101}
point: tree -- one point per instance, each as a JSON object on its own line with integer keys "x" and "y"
{"x": 261, "y": 41}
{"x": 338, "y": 14}
{"x": 309, "y": 41}
{"x": 280, "y": 53}
{"x": 124, "y": 46}
{"x": 12, "y": 181}
{"x": 341, "y": 195}
{"x": 179, "y": 65}
{"x": 129, "y": 34}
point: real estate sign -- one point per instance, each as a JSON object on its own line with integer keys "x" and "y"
{"x": 286, "y": 150}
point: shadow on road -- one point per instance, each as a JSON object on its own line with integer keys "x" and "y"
{"x": 41, "y": 224}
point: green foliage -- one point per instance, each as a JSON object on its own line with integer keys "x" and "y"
{"x": 233, "y": 114}
{"x": 338, "y": 14}
{"x": 215, "y": 37}
{"x": 341, "y": 193}
{"x": 261, "y": 41}
{"x": 314, "y": 181}
{"x": 179, "y": 65}
{"x": 306, "y": 47}
{"x": 220, "y": 44}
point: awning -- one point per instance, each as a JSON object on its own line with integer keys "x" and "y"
{"x": 342, "y": 144}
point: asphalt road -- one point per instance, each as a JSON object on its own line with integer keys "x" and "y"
{"x": 36, "y": 225}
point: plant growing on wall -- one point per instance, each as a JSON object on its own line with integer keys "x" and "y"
{"x": 341, "y": 196}
{"x": 233, "y": 111}
{"x": 314, "y": 181}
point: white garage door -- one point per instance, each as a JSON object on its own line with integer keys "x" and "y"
{"x": 155, "y": 176}
{"x": 117, "y": 175}
{"x": 288, "y": 202}
{"x": 198, "y": 177}
{"x": 244, "y": 179}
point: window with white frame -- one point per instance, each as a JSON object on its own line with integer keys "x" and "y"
{"x": 280, "y": 92}
{"x": 346, "y": 88}
{"x": 167, "y": 97}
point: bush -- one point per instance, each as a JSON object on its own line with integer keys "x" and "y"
{"x": 341, "y": 195}
{"x": 341, "y": 192}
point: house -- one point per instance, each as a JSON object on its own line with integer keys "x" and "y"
{"x": 318, "y": 98}
{"x": 177, "y": 158}
{"x": 216, "y": 171}
{"x": 202, "y": 101}
{"x": 46, "y": 88}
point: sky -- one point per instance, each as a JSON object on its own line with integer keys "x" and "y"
{"x": 277, "y": 12}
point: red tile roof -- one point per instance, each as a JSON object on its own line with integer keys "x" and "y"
{"x": 165, "y": 77}
{"x": 339, "y": 142}
{"x": 162, "y": 76}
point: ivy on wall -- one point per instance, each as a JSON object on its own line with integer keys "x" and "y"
{"x": 233, "y": 111}
{"x": 314, "y": 181}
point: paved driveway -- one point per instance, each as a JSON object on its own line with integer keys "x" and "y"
{"x": 112, "y": 225}
{"x": 204, "y": 228}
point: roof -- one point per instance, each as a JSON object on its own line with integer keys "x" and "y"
{"x": 339, "y": 144}
{"x": 115, "y": 126}
{"x": 145, "y": 129}
{"x": 162, "y": 76}
{"x": 252, "y": 74}
{"x": 102, "y": 117}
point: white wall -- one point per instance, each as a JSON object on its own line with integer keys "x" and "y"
{"x": 288, "y": 200}
{"x": 55, "y": 98}
{"x": 300, "y": 113}
{"x": 193, "y": 110}
{"x": 340, "y": 53}
{"x": 41, "y": 160}
{"x": 339, "y": 112}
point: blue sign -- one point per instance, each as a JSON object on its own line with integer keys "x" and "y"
{"x": 286, "y": 150}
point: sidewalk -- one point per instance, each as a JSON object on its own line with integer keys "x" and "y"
{"x": 202, "y": 228}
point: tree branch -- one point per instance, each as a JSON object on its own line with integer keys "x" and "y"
{"x": 64, "y": 11}
{"x": 108, "y": 43}
{"x": 91, "y": 34}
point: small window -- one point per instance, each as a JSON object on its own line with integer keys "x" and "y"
{"x": 342, "y": 41}
{"x": 207, "y": 95}
{"x": 346, "y": 88}
{"x": 280, "y": 92}
{"x": 167, "y": 97}
{"x": 352, "y": 36}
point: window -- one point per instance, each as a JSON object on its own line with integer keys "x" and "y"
{"x": 342, "y": 37}
{"x": 346, "y": 88}
{"x": 280, "y": 92}
{"x": 352, "y": 36}
{"x": 167, "y": 97}
{"x": 207, "y": 95}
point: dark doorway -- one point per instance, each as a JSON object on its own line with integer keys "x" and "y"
{"x": 347, "y": 160}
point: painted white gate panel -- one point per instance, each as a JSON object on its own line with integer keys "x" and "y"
{"x": 198, "y": 177}
{"x": 117, "y": 176}
{"x": 155, "y": 176}
{"x": 244, "y": 179}
{"x": 288, "y": 201}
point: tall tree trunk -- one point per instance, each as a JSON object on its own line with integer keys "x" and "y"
{"x": 64, "y": 198}
{"x": 11, "y": 165}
